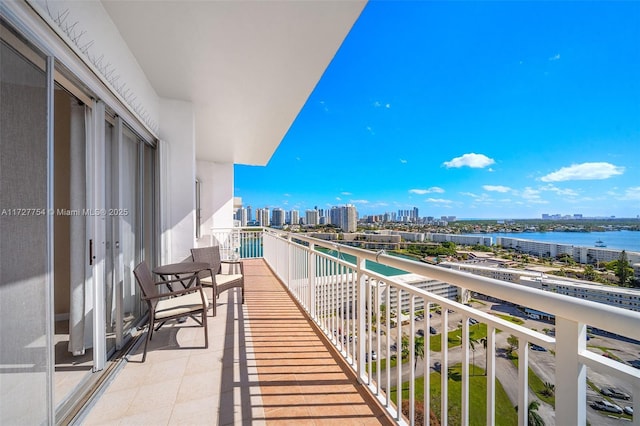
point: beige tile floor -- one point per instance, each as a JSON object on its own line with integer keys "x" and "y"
{"x": 265, "y": 365}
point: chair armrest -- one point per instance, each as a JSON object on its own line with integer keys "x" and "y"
{"x": 235, "y": 262}
{"x": 176, "y": 280}
{"x": 192, "y": 289}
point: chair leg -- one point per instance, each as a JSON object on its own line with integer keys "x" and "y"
{"x": 204, "y": 324}
{"x": 214, "y": 303}
{"x": 146, "y": 341}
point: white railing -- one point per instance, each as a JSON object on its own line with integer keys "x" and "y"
{"x": 237, "y": 243}
{"x": 350, "y": 304}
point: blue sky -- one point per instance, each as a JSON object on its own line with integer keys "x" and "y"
{"x": 503, "y": 109}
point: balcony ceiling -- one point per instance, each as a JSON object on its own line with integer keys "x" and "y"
{"x": 247, "y": 67}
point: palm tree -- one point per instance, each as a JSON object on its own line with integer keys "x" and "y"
{"x": 549, "y": 389}
{"x": 512, "y": 341}
{"x": 472, "y": 346}
{"x": 484, "y": 342}
{"x": 533, "y": 418}
{"x": 418, "y": 349}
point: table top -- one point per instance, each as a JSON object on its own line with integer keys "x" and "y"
{"x": 181, "y": 268}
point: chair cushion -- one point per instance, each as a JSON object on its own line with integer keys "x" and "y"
{"x": 206, "y": 280}
{"x": 180, "y": 305}
{"x": 222, "y": 279}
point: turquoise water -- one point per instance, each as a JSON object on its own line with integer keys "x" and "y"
{"x": 617, "y": 240}
{"x": 387, "y": 271}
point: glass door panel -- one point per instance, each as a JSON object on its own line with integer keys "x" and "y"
{"x": 128, "y": 221}
{"x": 110, "y": 245}
{"x": 25, "y": 279}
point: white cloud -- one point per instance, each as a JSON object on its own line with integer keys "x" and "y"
{"x": 530, "y": 194}
{"x": 560, "y": 191}
{"x": 632, "y": 193}
{"x": 387, "y": 106}
{"x": 427, "y": 191}
{"x": 403, "y": 161}
{"x": 287, "y": 195}
{"x": 438, "y": 200}
{"x": 584, "y": 171}
{"x": 359, "y": 201}
{"x": 345, "y": 193}
{"x": 377, "y": 104}
{"x": 555, "y": 57}
{"x": 338, "y": 199}
{"x": 496, "y": 188}
{"x": 476, "y": 161}
{"x": 470, "y": 194}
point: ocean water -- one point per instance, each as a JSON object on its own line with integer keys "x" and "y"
{"x": 617, "y": 240}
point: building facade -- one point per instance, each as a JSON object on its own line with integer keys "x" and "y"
{"x": 114, "y": 151}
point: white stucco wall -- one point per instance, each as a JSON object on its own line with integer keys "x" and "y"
{"x": 89, "y": 30}
{"x": 216, "y": 197}
{"x": 177, "y": 129}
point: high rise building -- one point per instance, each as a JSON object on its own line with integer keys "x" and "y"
{"x": 344, "y": 217}
{"x": 295, "y": 217}
{"x": 249, "y": 214}
{"x": 241, "y": 216}
{"x": 312, "y": 217}
{"x": 262, "y": 217}
{"x": 277, "y": 217}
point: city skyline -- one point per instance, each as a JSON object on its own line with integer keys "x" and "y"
{"x": 469, "y": 109}
{"x": 411, "y": 213}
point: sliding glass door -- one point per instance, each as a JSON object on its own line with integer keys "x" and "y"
{"x": 131, "y": 204}
{"x": 77, "y": 214}
{"x": 25, "y": 230}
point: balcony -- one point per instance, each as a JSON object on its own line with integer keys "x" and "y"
{"x": 300, "y": 349}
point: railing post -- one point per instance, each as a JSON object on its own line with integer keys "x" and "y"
{"x": 311, "y": 265}
{"x": 571, "y": 374}
{"x": 523, "y": 382}
{"x": 362, "y": 316}
{"x": 444, "y": 367}
{"x": 491, "y": 375}
{"x": 312, "y": 294}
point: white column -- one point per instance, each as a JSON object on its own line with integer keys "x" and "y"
{"x": 571, "y": 375}
{"x": 178, "y": 130}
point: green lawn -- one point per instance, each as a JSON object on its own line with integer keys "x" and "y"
{"x": 537, "y": 386}
{"x": 476, "y": 331}
{"x": 505, "y": 412}
{"x": 510, "y": 318}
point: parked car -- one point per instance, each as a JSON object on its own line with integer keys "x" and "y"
{"x": 437, "y": 365}
{"x": 374, "y": 356}
{"x": 604, "y": 405}
{"x": 473, "y": 321}
{"x": 394, "y": 348}
{"x": 537, "y": 348}
{"x": 432, "y": 330}
{"x": 628, "y": 410}
{"x": 420, "y": 332}
{"x": 615, "y": 393}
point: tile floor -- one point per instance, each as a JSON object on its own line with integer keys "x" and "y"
{"x": 265, "y": 365}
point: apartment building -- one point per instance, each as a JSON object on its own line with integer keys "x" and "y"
{"x": 581, "y": 254}
{"x": 467, "y": 240}
{"x": 277, "y": 217}
{"x": 621, "y": 297}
